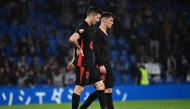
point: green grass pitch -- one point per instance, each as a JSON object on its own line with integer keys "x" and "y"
{"x": 141, "y": 104}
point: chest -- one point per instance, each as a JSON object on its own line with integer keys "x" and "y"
{"x": 105, "y": 40}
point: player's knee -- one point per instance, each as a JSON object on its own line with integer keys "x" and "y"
{"x": 78, "y": 90}
{"x": 108, "y": 90}
{"x": 99, "y": 85}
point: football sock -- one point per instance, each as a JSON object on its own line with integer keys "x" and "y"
{"x": 75, "y": 101}
{"x": 109, "y": 101}
{"x": 102, "y": 98}
{"x": 89, "y": 100}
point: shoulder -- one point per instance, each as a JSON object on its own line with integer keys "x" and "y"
{"x": 83, "y": 25}
{"x": 82, "y": 28}
{"x": 97, "y": 31}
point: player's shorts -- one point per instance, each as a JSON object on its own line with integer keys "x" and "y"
{"x": 86, "y": 75}
{"x": 108, "y": 77}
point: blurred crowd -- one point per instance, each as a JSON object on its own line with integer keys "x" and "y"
{"x": 34, "y": 46}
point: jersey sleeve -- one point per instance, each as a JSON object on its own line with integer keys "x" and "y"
{"x": 96, "y": 47}
{"x": 82, "y": 30}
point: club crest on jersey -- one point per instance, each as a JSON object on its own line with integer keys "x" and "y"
{"x": 81, "y": 30}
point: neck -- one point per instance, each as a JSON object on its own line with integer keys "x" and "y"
{"x": 103, "y": 27}
{"x": 88, "y": 21}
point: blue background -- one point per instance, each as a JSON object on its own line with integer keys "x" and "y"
{"x": 120, "y": 93}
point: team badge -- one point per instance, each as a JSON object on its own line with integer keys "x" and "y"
{"x": 81, "y": 30}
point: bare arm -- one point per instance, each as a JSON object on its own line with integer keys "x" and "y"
{"x": 73, "y": 39}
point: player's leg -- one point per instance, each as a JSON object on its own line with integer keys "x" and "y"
{"x": 108, "y": 86}
{"x": 80, "y": 83}
{"x": 76, "y": 96}
{"x": 109, "y": 99}
{"x": 89, "y": 100}
{"x": 100, "y": 88}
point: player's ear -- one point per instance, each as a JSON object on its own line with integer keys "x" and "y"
{"x": 103, "y": 19}
{"x": 90, "y": 15}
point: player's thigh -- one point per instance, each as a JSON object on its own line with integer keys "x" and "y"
{"x": 94, "y": 75}
{"x": 96, "y": 79}
{"x": 78, "y": 89}
{"x": 109, "y": 81}
{"x": 82, "y": 75}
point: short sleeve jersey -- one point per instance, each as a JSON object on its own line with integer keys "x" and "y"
{"x": 85, "y": 42}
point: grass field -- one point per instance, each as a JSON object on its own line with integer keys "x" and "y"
{"x": 145, "y": 104}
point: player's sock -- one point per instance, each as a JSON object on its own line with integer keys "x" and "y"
{"x": 89, "y": 100}
{"x": 109, "y": 101}
{"x": 102, "y": 98}
{"x": 75, "y": 101}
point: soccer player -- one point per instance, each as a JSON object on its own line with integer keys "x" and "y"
{"x": 83, "y": 62}
{"x": 101, "y": 44}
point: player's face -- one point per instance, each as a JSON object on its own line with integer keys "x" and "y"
{"x": 95, "y": 18}
{"x": 109, "y": 22}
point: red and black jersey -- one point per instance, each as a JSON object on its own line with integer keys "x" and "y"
{"x": 85, "y": 43}
{"x": 101, "y": 43}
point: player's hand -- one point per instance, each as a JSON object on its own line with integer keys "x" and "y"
{"x": 79, "y": 51}
{"x": 102, "y": 69}
{"x": 70, "y": 67}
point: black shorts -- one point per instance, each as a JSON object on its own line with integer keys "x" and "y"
{"x": 86, "y": 75}
{"x": 108, "y": 77}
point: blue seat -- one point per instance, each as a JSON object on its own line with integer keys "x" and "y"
{"x": 15, "y": 59}
{"x": 1, "y": 32}
{"x": 13, "y": 37}
{"x": 3, "y": 13}
{"x": 6, "y": 28}
{"x": 22, "y": 34}
{"x": 140, "y": 31}
{"x": 41, "y": 61}
{"x": 124, "y": 52}
{"x": 115, "y": 55}
{"x": 23, "y": 27}
{"x": 121, "y": 41}
{"x": 10, "y": 49}
{"x": 32, "y": 13}
{"x": 68, "y": 32}
{"x": 48, "y": 50}
{"x": 38, "y": 49}
{"x": 14, "y": 28}
{"x": 29, "y": 60}
{"x": 54, "y": 21}
{"x": 112, "y": 41}
{"x": 43, "y": 27}
{"x": 128, "y": 79}
{"x": 123, "y": 58}
{"x": 51, "y": 37}
{"x": 49, "y": 17}
{"x": 53, "y": 46}
{"x": 41, "y": 18}
{"x": 133, "y": 59}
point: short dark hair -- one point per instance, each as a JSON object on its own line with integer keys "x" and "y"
{"x": 93, "y": 9}
{"x": 107, "y": 15}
